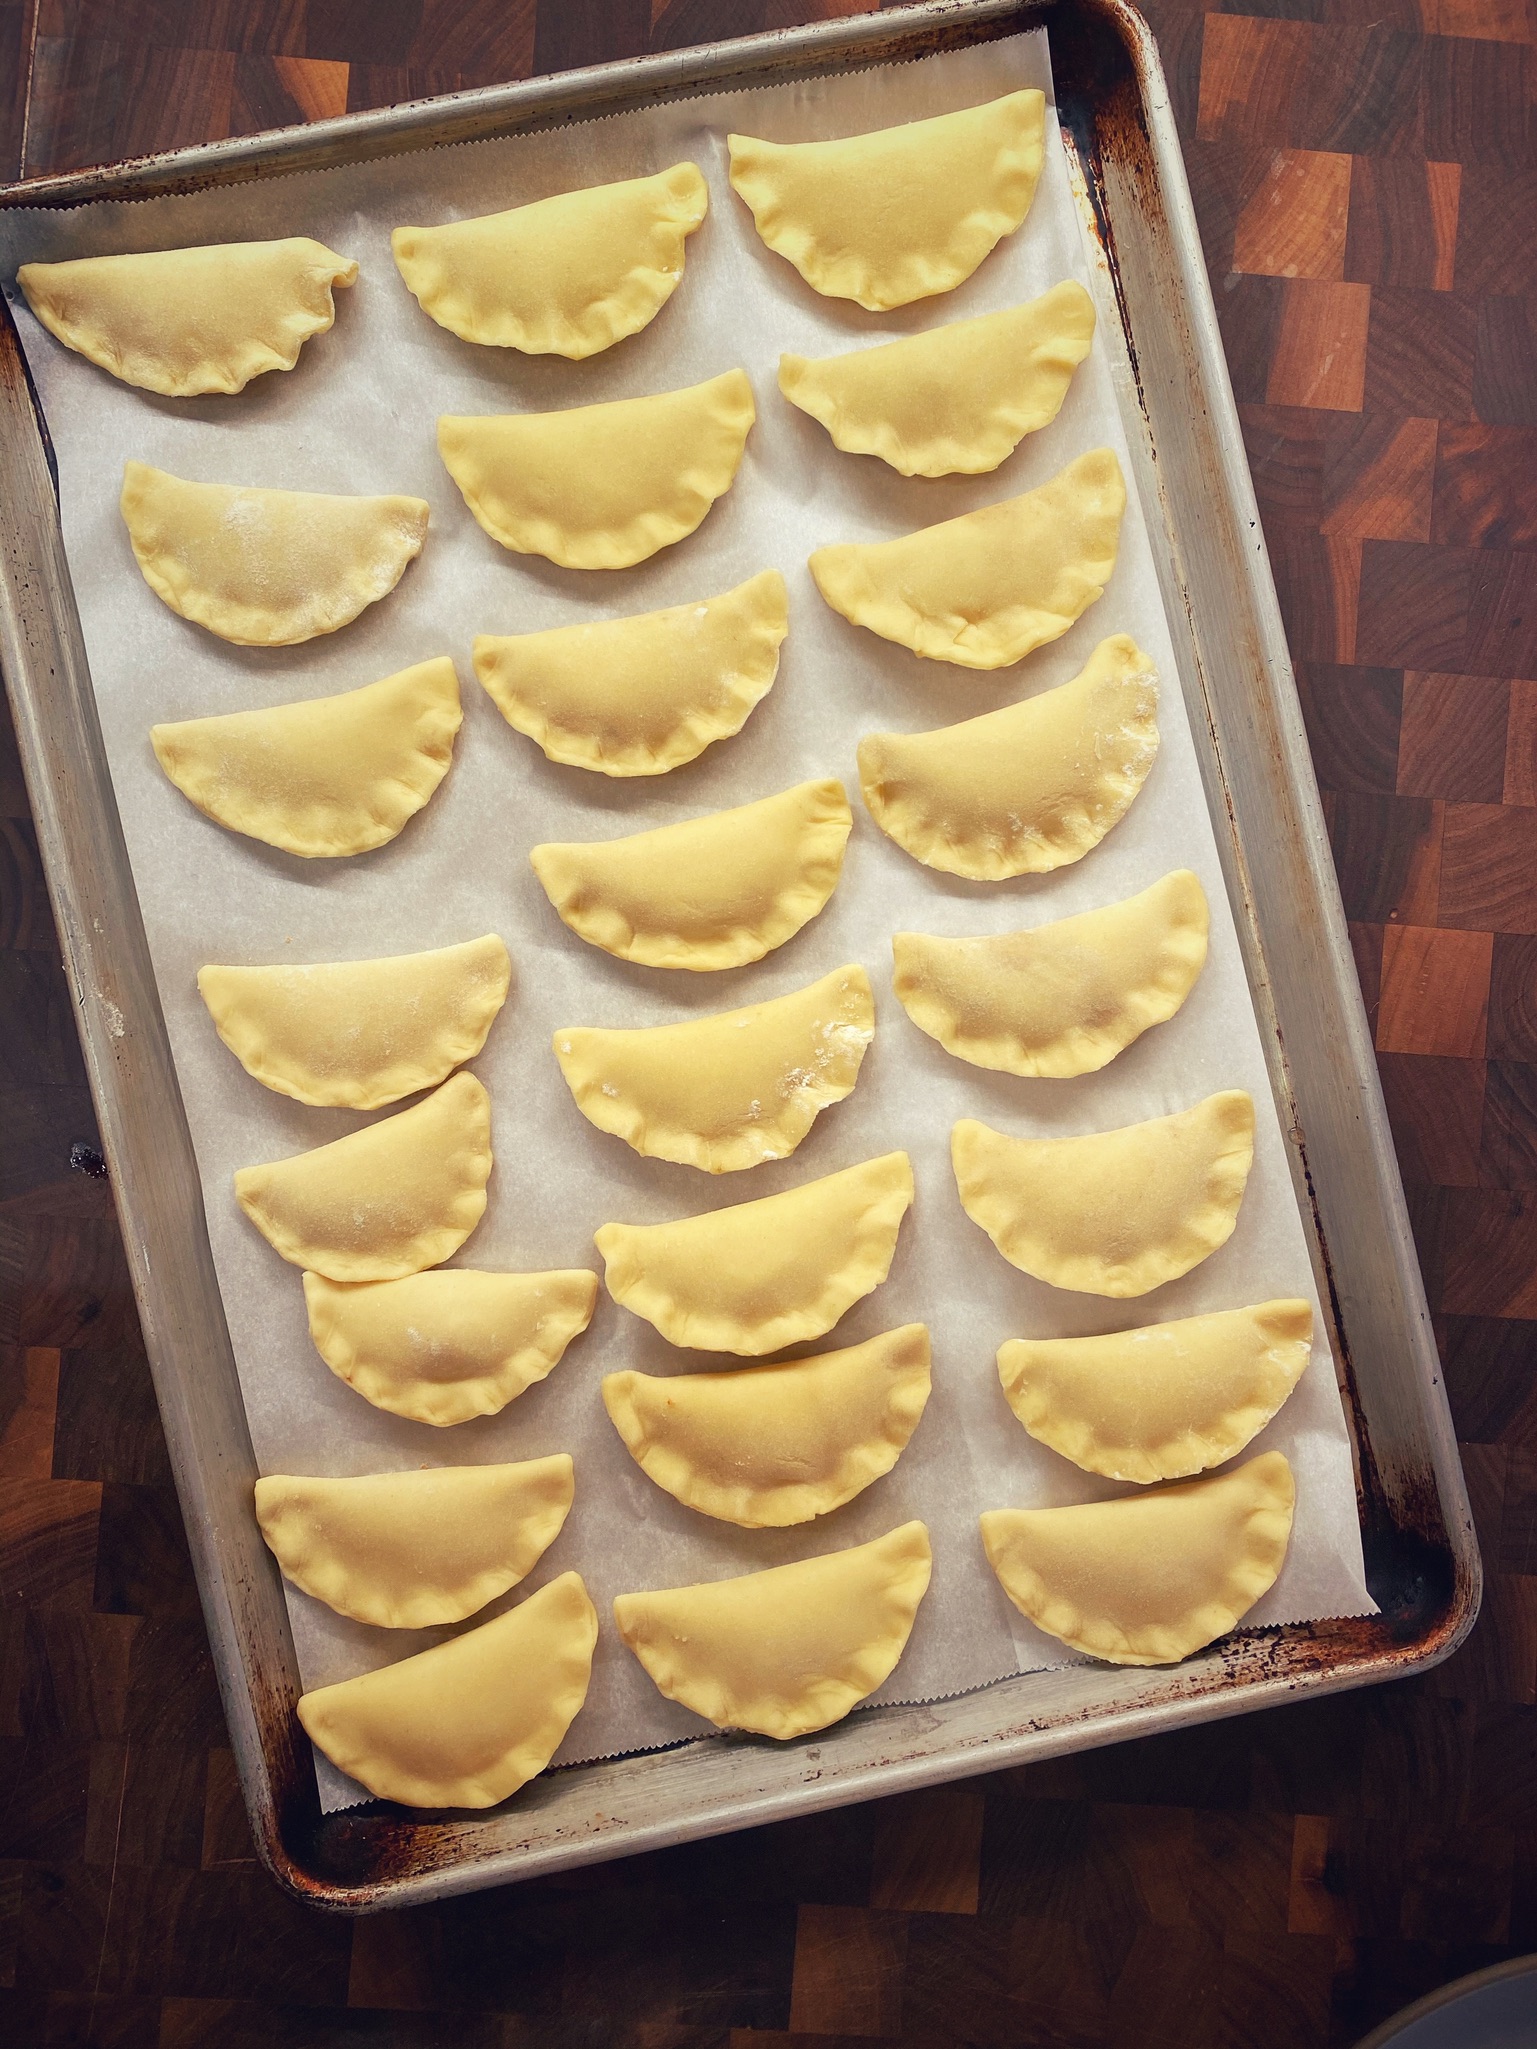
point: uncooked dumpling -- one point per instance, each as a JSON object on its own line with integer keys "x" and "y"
{"x": 1113, "y": 1212}
{"x": 711, "y": 892}
{"x": 187, "y": 321}
{"x": 765, "y": 1446}
{"x": 1159, "y": 1403}
{"x": 984, "y": 589}
{"x": 642, "y": 695}
{"x": 1150, "y": 1578}
{"x": 441, "y": 1347}
{"x": 1023, "y": 790}
{"x": 358, "y": 1034}
{"x": 902, "y": 213}
{"x": 330, "y": 776}
{"x": 407, "y": 1550}
{"x": 566, "y": 276}
{"x": 956, "y": 400}
{"x": 386, "y": 1201}
{"x": 725, "y": 1092}
{"x": 467, "y": 1723}
{"x": 605, "y": 486}
{"x": 790, "y": 1650}
{"x": 768, "y": 1273}
{"x": 266, "y": 568}
{"x": 1064, "y": 998}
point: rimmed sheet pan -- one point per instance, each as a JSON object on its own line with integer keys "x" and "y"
{"x": 1234, "y": 672}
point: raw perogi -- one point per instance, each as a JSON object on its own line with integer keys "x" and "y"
{"x": 787, "y": 1651}
{"x": 470, "y": 1721}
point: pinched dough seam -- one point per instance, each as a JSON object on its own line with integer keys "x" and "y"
{"x": 1154, "y": 1003}
{"x": 1178, "y": 1457}
{"x": 1223, "y": 1608}
{"x": 1072, "y": 832}
{"x": 739, "y": 693}
{"x": 858, "y": 1467}
{"x": 312, "y": 831}
{"x": 1204, "y": 1231}
{"x": 604, "y": 925}
{"x": 991, "y": 441}
{"x": 875, "y": 1234}
{"x": 917, "y": 274}
{"x": 631, "y": 305}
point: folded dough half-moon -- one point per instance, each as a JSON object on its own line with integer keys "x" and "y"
{"x": 1026, "y": 789}
{"x": 790, "y": 1650}
{"x": 441, "y": 1347}
{"x": 984, "y": 589}
{"x": 1147, "y": 1579}
{"x": 266, "y": 568}
{"x": 468, "y": 1722}
{"x": 768, "y": 1273}
{"x": 957, "y": 400}
{"x": 605, "y": 486}
{"x": 642, "y": 695}
{"x": 730, "y": 1091}
{"x": 1159, "y": 1403}
{"x": 408, "y": 1550}
{"x": 357, "y": 1034}
{"x": 711, "y": 892}
{"x": 1064, "y": 998}
{"x": 386, "y": 1201}
{"x": 187, "y": 321}
{"x": 331, "y": 776}
{"x": 900, "y": 214}
{"x": 1112, "y": 1212}
{"x": 766, "y": 1446}
{"x": 567, "y": 276}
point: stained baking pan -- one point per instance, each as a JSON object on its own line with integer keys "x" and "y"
{"x": 1421, "y": 1559}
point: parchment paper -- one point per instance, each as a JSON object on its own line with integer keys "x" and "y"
{"x": 358, "y": 415}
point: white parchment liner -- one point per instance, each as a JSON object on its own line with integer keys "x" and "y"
{"x": 358, "y": 415}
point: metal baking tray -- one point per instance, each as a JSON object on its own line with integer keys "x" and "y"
{"x": 1422, "y": 1561}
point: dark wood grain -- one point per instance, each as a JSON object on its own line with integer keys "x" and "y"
{"x": 1366, "y": 178}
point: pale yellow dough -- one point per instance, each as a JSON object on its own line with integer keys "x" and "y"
{"x": 567, "y": 276}
{"x": 956, "y": 400}
{"x": 788, "y": 1651}
{"x": 186, "y": 321}
{"x": 357, "y": 1034}
{"x": 441, "y": 1347}
{"x": 766, "y": 1446}
{"x": 902, "y": 213}
{"x": 605, "y": 486}
{"x": 984, "y": 589}
{"x": 642, "y": 695}
{"x": 410, "y": 1549}
{"x": 1113, "y": 1212}
{"x": 331, "y": 776}
{"x": 763, "y": 1274}
{"x": 725, "y": 1092}
{"x": 1023, "y": 790}
{"x": 467, "y": 1723}
{"x": 1159, "y": 1403}
{"x": 266, "y": 568}
{"x": 386, "y": 1201}
{"x": 1064, "y": 998}
{"x": 1150, "y": 1578}
{"x": 711, "y": 892}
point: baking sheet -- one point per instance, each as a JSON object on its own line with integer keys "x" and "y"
{"x": 358, "y": 414}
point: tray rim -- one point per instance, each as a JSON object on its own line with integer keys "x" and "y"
{"x": 1208, "y": 1687}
